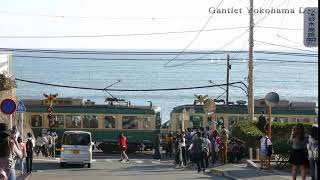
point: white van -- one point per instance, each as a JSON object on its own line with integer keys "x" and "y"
{"x": 76, "y": 148}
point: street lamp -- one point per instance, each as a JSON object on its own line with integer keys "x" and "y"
{"x": 271, "y": 100}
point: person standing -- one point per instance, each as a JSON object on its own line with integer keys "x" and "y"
{"x": 313, "y": 147}
{"x": 29, "y": 150}
{"x": 122, "y": 141}
{"x": 262, "y": 122}
{"x": 182, "y": 147}
{"x": 22, "y": 146}
{"x": 264, "y": 143}
{"x": 157, "y": 142}
{"x": 197, "y": 148}
{"x": 215, "y": 141}
{"x": 9, "y": 152}
{"x": 188, "y": 138}
{"x": 169, "y": 143}
{"x": 224, "y": 136}
{"x": 298, "y": 156}
{"x": 206, "y": 149}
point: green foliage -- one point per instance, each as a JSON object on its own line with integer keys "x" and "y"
{"x": 6, "y": 83}
{"x": 283, "y": 130}
{"x": 248, "y": 132}
{"x": 281, "y": 146}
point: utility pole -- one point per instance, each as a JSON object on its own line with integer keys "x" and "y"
{"x": 227, "y": 90}
{"x": 250, "y": 74}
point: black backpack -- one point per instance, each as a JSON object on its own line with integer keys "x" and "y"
{"x": 269, "y": 148}
{"x": 29, "y": 145}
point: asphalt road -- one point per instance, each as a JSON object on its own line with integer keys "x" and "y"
{"x": 140, "y": 167}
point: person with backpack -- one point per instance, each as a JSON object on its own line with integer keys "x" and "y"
{"x": 9, "y": 152}
{"x": 197, "y": 147}
{"x": 265, "y": 142}
{"x": 29, "y": 148}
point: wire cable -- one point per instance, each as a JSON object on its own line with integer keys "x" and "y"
{"x": 162, "y": 53}
{"x": 196, "y": 36}
{"x": 263, "y": 42}
{"x": 119, "y": 35}
{"x": 126, "y": 90}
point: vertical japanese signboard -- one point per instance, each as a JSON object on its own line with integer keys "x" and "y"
{"x": 310, "y": 30}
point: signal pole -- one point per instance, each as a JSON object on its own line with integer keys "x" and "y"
{"x": 250, "y": 73}
{"x": 51, "y": 98}
{"x": 227, "y": 89}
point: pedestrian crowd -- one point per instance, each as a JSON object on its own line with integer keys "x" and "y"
{"x": 202, "y": 147}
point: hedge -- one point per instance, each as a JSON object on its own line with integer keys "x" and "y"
{"x": 248, "y": 132}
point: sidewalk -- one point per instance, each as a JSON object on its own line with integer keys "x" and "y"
{"x": 243, "y": 171}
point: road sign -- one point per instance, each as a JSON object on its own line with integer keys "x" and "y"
{"x": 21, "y": 107}
{"x": 310, "y": 30}
{"x": 8, "y": 106}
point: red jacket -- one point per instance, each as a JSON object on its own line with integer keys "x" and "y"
{"x": 122, "y": 143}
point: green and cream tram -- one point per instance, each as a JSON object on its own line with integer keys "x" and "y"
{"x": 105, "y": 122}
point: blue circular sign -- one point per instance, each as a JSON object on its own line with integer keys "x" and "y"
{"x": 8, "y": 106}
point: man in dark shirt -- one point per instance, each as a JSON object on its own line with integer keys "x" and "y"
{"x": 262, "y": 122}
{"x": 29, "y": 149}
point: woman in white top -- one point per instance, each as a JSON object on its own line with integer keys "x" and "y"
{"x": 9, "y": 152}
{"x": 182, "y": 147}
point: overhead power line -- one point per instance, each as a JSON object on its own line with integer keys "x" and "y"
{"x": 162, "y": 53}
{"x": 139, "y": 34}
{"x": 127, "y": 90}
{"x": 263, "y": 42}
{"x": 193, "y": 39}
{"x": 161, "y": 59}
{"x": 115, "y": 35}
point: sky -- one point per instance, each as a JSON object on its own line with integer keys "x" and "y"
{"x": 143, "y": 24}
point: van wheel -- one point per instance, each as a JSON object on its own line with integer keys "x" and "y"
{"x": 62, "y": 164}
{"x": 89, "y": 165}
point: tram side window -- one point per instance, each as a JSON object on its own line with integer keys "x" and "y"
{"x": 90, "y": 121}
{"x": 196, "y": 121}
{"x": 129, "y": 122}
{"x": 73, "y": 121}
{"x": 109, "y": 122}
{"x": 57, "y": 121}
{"x": 36, "y": 120}
{"x": 146, "y": 123}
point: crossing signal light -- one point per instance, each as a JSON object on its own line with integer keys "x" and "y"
{"x": 49, "y": 109}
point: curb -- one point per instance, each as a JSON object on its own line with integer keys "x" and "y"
{"x": 24, "y": 177}
{"x": 222, "y": 173}
{"x": 252, "y": 164}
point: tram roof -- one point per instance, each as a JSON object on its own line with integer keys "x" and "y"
{"x": 96, "y": 109}
{"x": 242, "y": 109}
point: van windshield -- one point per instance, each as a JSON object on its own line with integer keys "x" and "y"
{"x": 76, "y": 139}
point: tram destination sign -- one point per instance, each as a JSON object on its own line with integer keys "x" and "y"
{"x": 310, "y": 29}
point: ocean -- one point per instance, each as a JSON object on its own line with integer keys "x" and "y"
{"x": 292, "y": 77}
